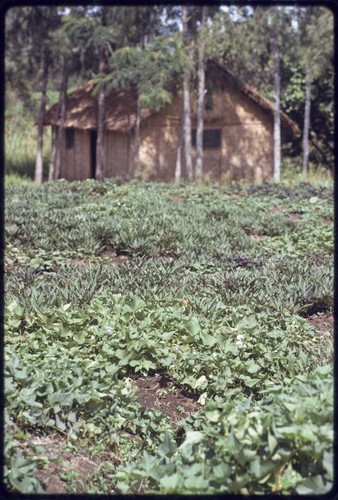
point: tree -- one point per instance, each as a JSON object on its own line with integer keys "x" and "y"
{"x": 277, "y": 111}
{"x": 93, "y": 37}
{"x": 38, "y": 177}
{"x": 186, "y": 96}
{"x": 200, "y": 96}
{"x": 30, "y": 48}
{"x": 265, "y": 32}
{"x": 148, "y": 70}
{"x": 66, "y": 57}
{"x": 316, "y": 33}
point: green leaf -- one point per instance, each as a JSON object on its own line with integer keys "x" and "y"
{"x": 80, "y": 338}
{"x": 196, "y": 483}
{"x": 212, "y": 415}
{"x": 247, "y": 324}
{"x": 167, "y": 448}
{"x": 71, "y": 417}
{"x": 59, "y": 424}
{"x": 328, "y": 464}
{"x": 313, "y": 485}
{"x": 170, "y": 483}
{"x": 194, "y": 327}
{"x": 272, "y": 442}
{"x": 208, "y": 340}
{"x": 255, "y": 467}
{"x": 150, "y": 461}
{"x": 202, "y": 382}
{"x": 252, "y": 367}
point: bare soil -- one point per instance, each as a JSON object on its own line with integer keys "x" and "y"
{"x": 160, "y": 393}
{"x": 176, "y": 197}
{"x": 60, "y": 468}
{"x": 295, "y": 216}
{"x": 323, "y": 323}
{"x": 275, "y": 209}
{"x": 60, "y": 462}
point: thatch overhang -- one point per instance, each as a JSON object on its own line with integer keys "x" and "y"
{"x": 81, "y": 110}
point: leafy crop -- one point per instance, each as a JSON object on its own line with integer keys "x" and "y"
{"x": 213, "y": 287}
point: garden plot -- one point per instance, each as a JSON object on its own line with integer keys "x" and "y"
{"x": 176, "y": 339}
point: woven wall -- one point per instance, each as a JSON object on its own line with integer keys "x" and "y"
{"x": 246, "y": 148}
{"x": 117, "y": 154}
{"x": 75, "y": 164}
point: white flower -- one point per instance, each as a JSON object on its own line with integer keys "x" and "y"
{"x": 239, "y": 339}
{"x": 109, "y": 329}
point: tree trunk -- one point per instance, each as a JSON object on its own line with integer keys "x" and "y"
{"x": 200, "y": 99}
{"x": 276, "y": 115}
{"x": 186, "y": 102}
{"x": 55, "y": 169}
{"x": 99, "y": 169}
{"x": 137, "y": 137}
{"x": 306, "y": 127}
{"x": 51, "y": 174}
{"x": 38, "y": 177}
{"x": 178, "y": 169}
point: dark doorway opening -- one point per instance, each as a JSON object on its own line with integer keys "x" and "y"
{"x": 93, "y": 138}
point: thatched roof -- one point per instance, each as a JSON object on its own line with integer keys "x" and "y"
{"x": 120, "y": 108}
{"x": 261, "y": 101}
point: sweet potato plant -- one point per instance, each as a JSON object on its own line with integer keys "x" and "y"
{"x": 215, "y": 297}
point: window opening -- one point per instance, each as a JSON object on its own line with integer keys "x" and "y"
{"x": 211, "y": 138}
{"x": 69, "y": 138}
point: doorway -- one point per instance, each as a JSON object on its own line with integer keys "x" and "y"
{"x": 93, "y": 138}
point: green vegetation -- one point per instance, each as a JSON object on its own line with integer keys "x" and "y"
{"x": 21, "y": 140}
{"x": 214, "y": 289}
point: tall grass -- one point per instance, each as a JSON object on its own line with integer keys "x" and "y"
{"x": 21, "y": 141}
{"x": 291, "y": 173}
{"x": 17, "y": 179}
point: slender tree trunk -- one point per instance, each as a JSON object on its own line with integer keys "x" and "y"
{"x": 178, "y": 169}
{"x": 276, "y": 115}
{"x": 186, "y": 102}
{"x": 137, "y": 136}
{"x": 306, "y": 127}
{"x": 55, "y": 170}
{"x": 51, "y": 174}
{"x": 200, "y": 100}
{"x": 38, "y": 177}
{"x": 99, "y": 169}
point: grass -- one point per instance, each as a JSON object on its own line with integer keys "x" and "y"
{"x": 21, "y": 142}
{"x": 212, "y": 290}
{"x": 317, "y": 174}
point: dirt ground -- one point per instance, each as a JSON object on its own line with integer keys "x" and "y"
{"x": 60, "y": 463}
{"x": 323, "y": 323}
{"x": 159, "y": 392}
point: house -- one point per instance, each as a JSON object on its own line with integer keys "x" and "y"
{"x": 238, "y": 133}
